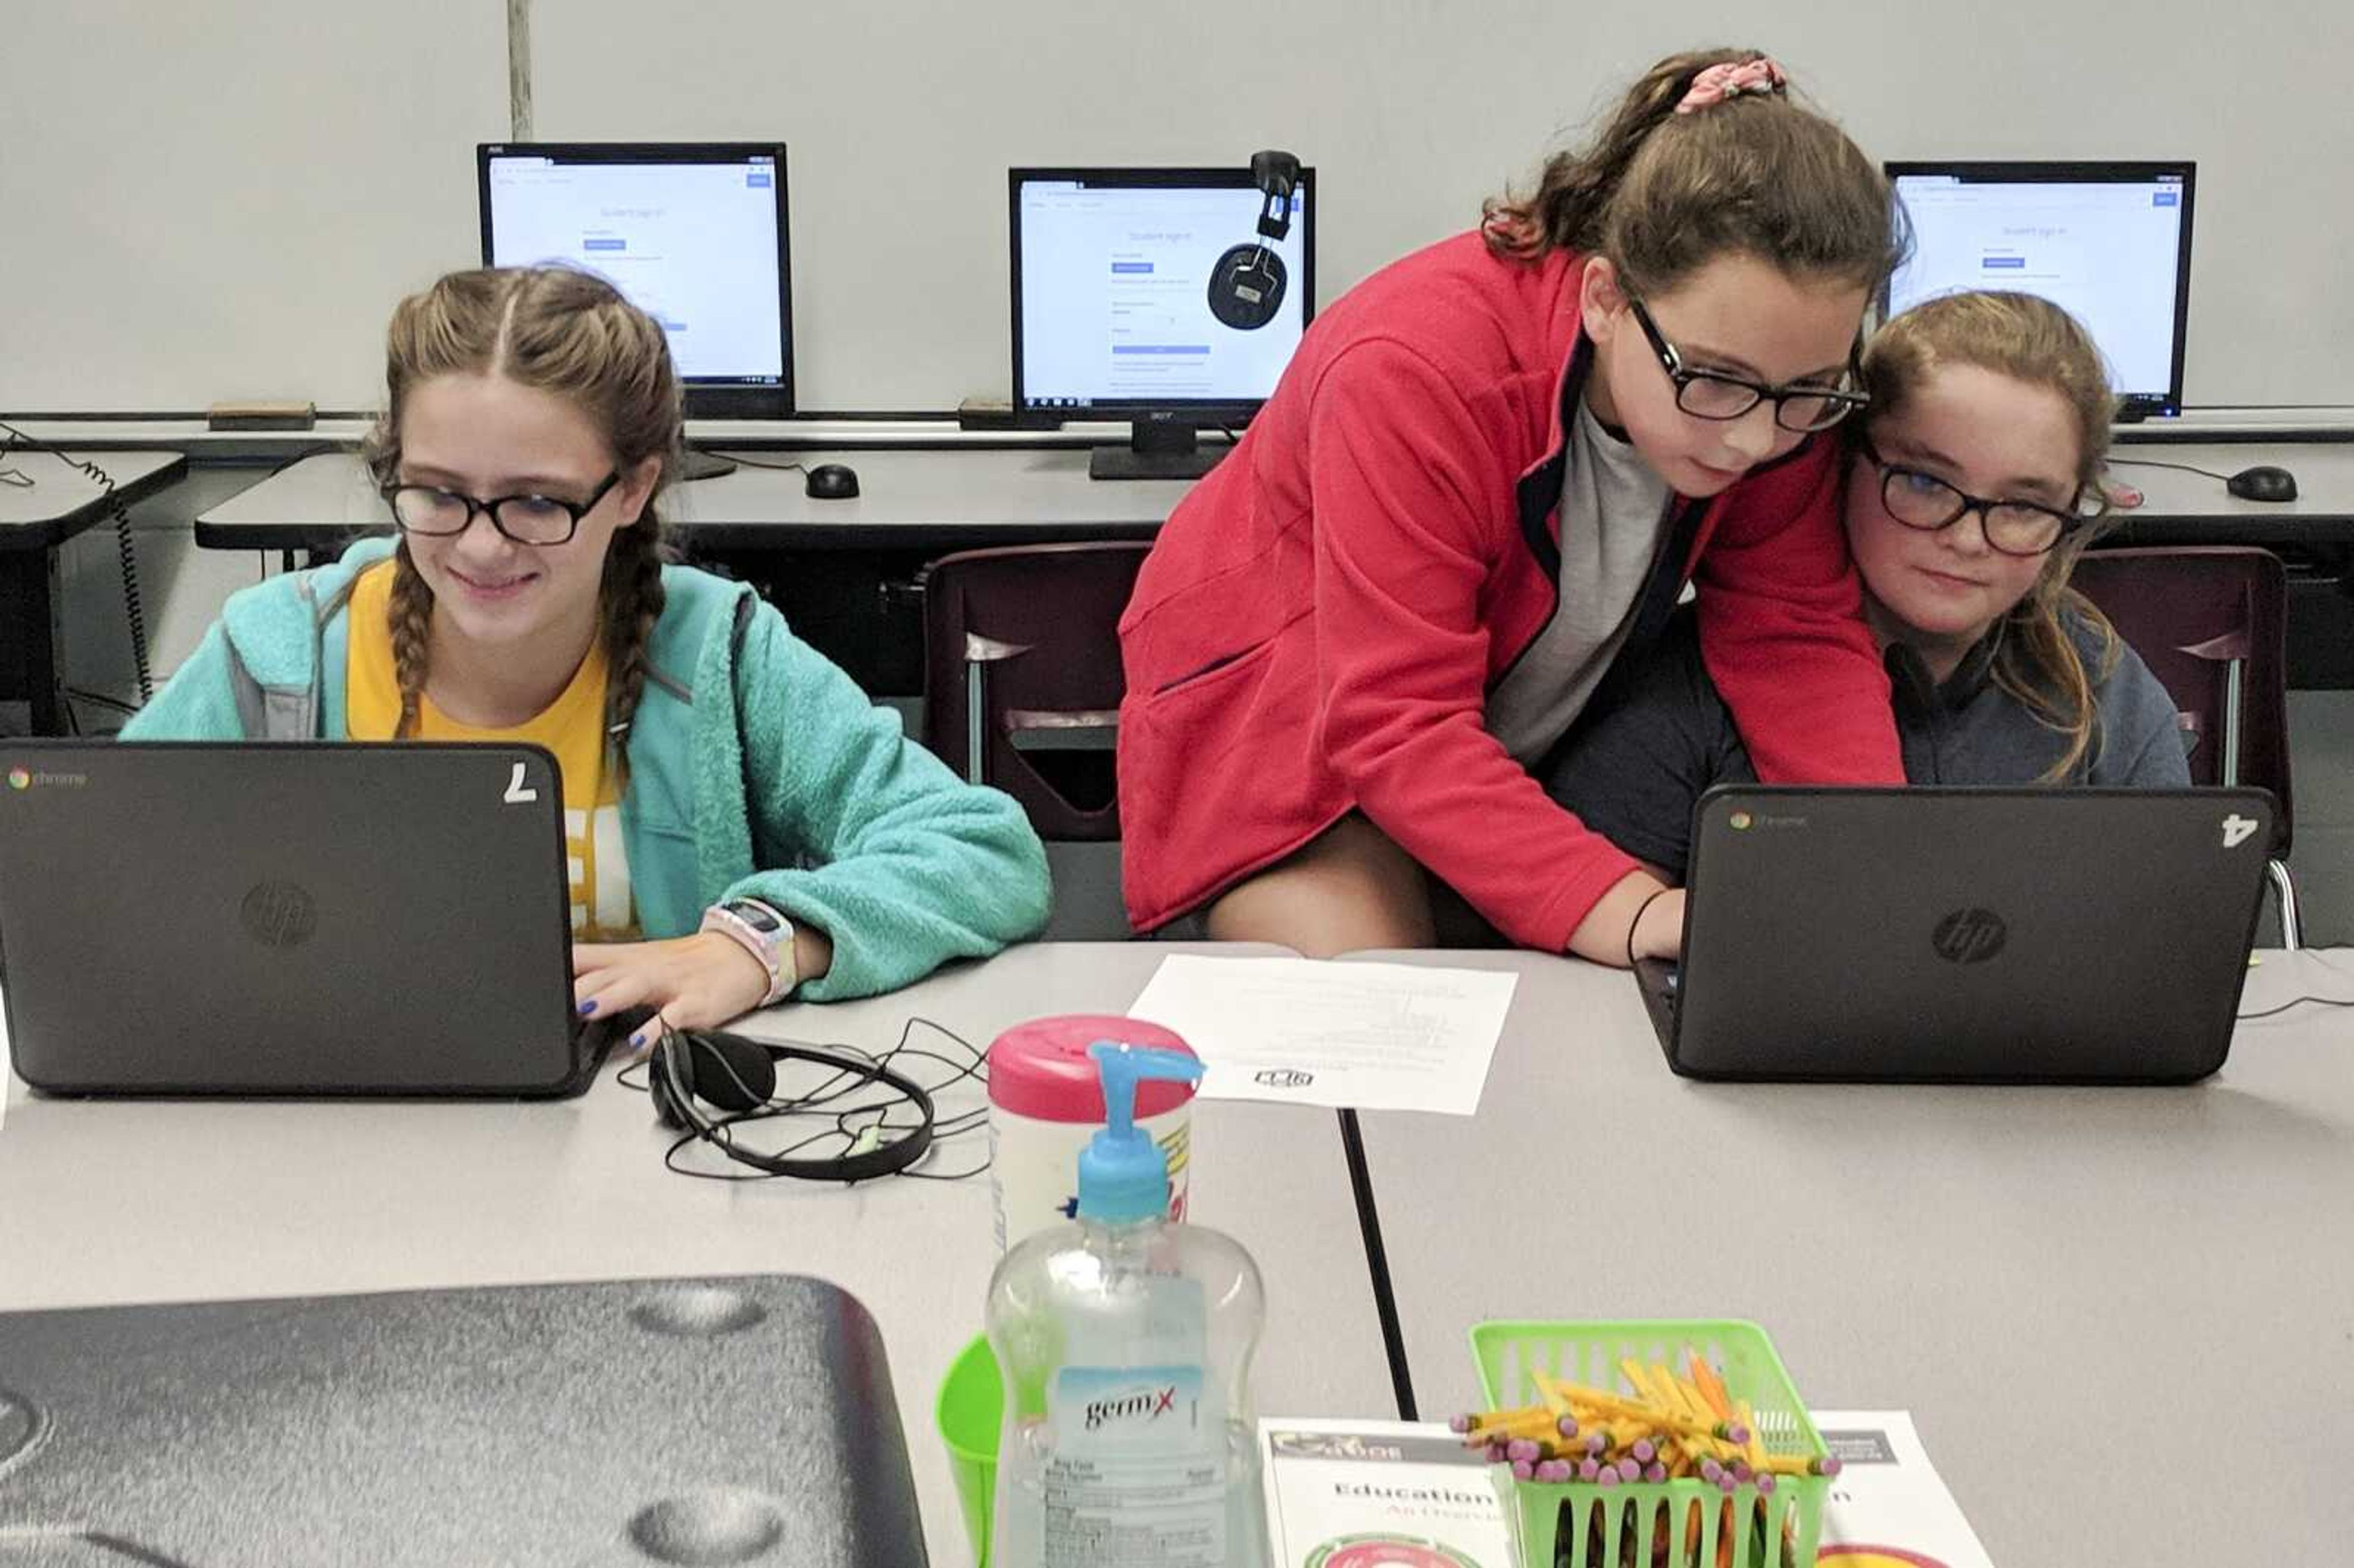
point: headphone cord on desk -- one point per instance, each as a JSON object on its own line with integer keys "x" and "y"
{"x": 972, "y": 1067}
{"x": 119, "y": 513}
{"x": 2178, "y": 467}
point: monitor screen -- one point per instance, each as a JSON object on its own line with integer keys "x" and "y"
{"x": 1111, "y": 276}
{"x": 694, "y": 235}
{"x": 2109, "y": 242}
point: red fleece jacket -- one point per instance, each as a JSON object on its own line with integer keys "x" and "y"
{"x": 1319, "y": 626}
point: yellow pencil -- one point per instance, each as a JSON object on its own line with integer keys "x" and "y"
{"x": 1756, "y": 1444}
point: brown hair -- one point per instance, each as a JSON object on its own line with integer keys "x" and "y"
{"x": 1662, "y": 194}
{"x": 2029, "y": 339}
{"x": 568, "y": 332}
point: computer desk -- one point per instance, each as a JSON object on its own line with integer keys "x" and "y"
{"x": 35, "y": 519}
{"x": 2124, "y": 1318}
{"x": 959, "y": 498}
{"x": 2185, "y": 508}
{"x": 106, "y": 1202}
{"x": 942, "y": 499}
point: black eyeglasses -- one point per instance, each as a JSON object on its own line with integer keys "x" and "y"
{"x": 431, "y": 510}
{"x": 1925, "y": 502}
{"x": 1720, "y": 394}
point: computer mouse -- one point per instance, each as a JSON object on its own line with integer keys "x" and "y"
{"x": 833, "y": 481}
{"x": 2263, "y": 482}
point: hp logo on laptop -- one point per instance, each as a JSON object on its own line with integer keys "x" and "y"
{"x": 1969, "y": 935}
{"x": 278, "y": 914}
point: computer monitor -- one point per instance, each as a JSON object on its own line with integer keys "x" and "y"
{"x": 2110, "y": 243}
{"x": 1111, "y": 308}
{"x": 692, "y": 233}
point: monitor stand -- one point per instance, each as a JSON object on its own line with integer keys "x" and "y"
{"x": 1156, "y": 450}
{"x": 700, "y": 464}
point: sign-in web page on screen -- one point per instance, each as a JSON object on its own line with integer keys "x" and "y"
{"x": 693, "y": 245}
{"x": 1115, "y": 296}
{"x": 2106, "y": 253}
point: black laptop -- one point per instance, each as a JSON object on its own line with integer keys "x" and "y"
{"x": 278, "y": 918}
{"x": 1963, "y": 935}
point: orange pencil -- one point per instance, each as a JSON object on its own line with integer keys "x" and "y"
{"x": 1712, "y": 1387}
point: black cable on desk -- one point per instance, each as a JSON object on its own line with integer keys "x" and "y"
{"x": 771, "y": 467}
{"x": 2298, "y": 1001}
{"x": 2178, "y": 467}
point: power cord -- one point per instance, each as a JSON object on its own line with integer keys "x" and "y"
{"x": 771, "y": 467}
{"x": 823, "y": 1110}
{"x": 2302, "y": 1001}
{"x": 119, "y": 512}
{"x": 309, "y": 450}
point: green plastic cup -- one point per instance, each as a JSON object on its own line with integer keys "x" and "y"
{"x": 970, "y": 1411}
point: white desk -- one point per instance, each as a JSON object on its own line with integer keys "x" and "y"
{"x": 2103, "y": 1294}
{"x": 123, "y": 1201}
{"x": 2179, "y": 508}
{"x": 35, "y": 519}
{"x": 955, "y": 498}
{"x": 943, "y": 499}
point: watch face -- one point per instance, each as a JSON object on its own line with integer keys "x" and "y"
{"x": 757, "y": 915}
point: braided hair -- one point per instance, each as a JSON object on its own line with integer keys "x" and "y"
{"x": 572, "y": 333}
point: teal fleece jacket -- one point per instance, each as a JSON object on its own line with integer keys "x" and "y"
{"x": 756, "y": 769}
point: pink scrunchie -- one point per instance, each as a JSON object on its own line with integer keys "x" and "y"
{"x": 1718, "y": 82}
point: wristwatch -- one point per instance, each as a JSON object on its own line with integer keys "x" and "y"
{"x": 765, "y": 933}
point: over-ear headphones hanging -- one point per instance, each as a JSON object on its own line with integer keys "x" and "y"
{"x": 1248, "y": 284}
{"x": 737, "y": 1075}
{"x": 1919, "y": 692}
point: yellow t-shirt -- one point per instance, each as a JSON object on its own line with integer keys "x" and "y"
{"x": 572, "y": 728}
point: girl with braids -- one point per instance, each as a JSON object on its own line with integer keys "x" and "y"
{"x": 744, "y": 825}
{"x": 1484, "y": 479}
{"x": 1972, "y": 489}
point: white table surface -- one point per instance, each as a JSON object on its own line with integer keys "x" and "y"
{"x": 2124, "y": 1318}
{"x": 964, "y": 496}
{"x": 907, "y": 497}
{"x": 30, "y": 513}
{"x": 2187, "y": 508}
{"x": 110, "y": 1203}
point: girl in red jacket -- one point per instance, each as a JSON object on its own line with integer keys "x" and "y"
{"x": 1486, "y": 476}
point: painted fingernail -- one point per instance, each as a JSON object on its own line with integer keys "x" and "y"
{"x": 588, "y": 1007}
{"x": 638, "y": 1039}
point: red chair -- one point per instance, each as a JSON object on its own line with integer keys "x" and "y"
{"x": 1022, "y": 676}
{"x": 2212, "y": 623}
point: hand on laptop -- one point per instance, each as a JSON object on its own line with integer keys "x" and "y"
{"x": 694, "y": 983}
{"x": 1659, "y": 931}
{"x": 1639, "y": 917}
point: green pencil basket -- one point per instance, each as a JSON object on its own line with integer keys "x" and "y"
{"x": 1675, "y": 1523}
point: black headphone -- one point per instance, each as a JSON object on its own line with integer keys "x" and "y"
{"x": 1921, "y": 695}
{"x": 738, "y": 1076}
{"x": 1247, "y": 285}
